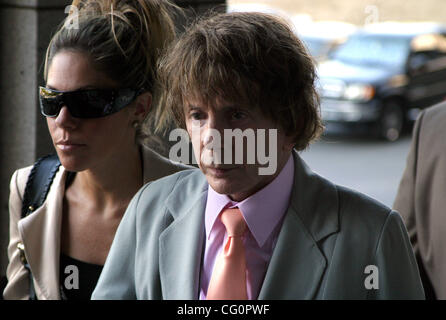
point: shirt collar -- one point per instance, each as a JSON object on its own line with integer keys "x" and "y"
{"x": 262, "y": 211}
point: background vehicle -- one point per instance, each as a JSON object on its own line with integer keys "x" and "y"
{"x": 322, "y": 37}
{"x": 382, "y": 74}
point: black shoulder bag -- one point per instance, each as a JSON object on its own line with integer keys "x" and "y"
{"x": 37, "y": 186}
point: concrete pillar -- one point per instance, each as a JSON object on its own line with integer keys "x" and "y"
{"x": 26, "y": 27}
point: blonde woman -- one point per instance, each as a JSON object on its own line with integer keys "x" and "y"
{"x": 98, "y": 95}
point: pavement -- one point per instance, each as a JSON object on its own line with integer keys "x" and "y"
{"x": 368, "y": 165}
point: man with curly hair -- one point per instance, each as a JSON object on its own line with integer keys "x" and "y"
{"x": 228, "y": 231}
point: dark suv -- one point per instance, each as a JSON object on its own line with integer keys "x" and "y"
{"x": 383, "y": 74}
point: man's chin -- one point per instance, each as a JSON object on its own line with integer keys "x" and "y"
{"x": 221, "y": 186}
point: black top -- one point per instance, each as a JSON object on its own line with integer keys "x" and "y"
{"x": 77, "y": 278}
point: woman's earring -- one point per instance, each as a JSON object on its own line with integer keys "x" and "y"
{"x": 135, "y": 124}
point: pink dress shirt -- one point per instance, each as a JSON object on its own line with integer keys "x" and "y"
{"x": 263, "y": 212}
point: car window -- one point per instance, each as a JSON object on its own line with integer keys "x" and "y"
{"x": 428, "y": 53}
{"x": 374, "y": 50}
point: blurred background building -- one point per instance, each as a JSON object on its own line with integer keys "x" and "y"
{"x": 358, "y": 12}
{"x": 26, "y": 27}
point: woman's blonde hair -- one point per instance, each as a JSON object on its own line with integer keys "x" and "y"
{"x": 123, "y": 39}
{"x": 251, "y": 59}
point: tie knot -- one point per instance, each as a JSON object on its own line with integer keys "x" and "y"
{"x": 234, "y": 222}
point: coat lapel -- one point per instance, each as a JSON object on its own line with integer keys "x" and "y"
{"x": 182, "y": 243}
{"x": 40, "y": 233}
{"x": 297, "y": 264}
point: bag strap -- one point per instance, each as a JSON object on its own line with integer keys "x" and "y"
{"x": 39, "y": 182}
{"x": 36, "y": 190}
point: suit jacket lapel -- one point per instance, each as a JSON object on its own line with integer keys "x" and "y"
{"x": 182, "y": 243}
{"x": 297, "y": 264}
{"x": 40, "y": 233}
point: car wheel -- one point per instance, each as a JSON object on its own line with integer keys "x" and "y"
{"x": 391, "y": 121}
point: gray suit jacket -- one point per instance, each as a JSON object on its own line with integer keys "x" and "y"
{"x": 328, "y": 237}
{"x": 421, "y": 197}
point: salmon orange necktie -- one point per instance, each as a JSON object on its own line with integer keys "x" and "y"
{"x": 228, "y": 280}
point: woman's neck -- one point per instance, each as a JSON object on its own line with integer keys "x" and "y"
{"x": 112, "y": 183}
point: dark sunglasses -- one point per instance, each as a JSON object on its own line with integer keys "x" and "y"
{"x": 93, "y": 103}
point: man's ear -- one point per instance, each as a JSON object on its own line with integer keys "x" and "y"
{"x": 143, "y": 105}
{"x": 289, "y": 143}
{"x": 289, "y": 139}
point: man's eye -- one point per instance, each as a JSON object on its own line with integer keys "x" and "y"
{"x": 238, "y": 115}
{"x": 196, "y": 116}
